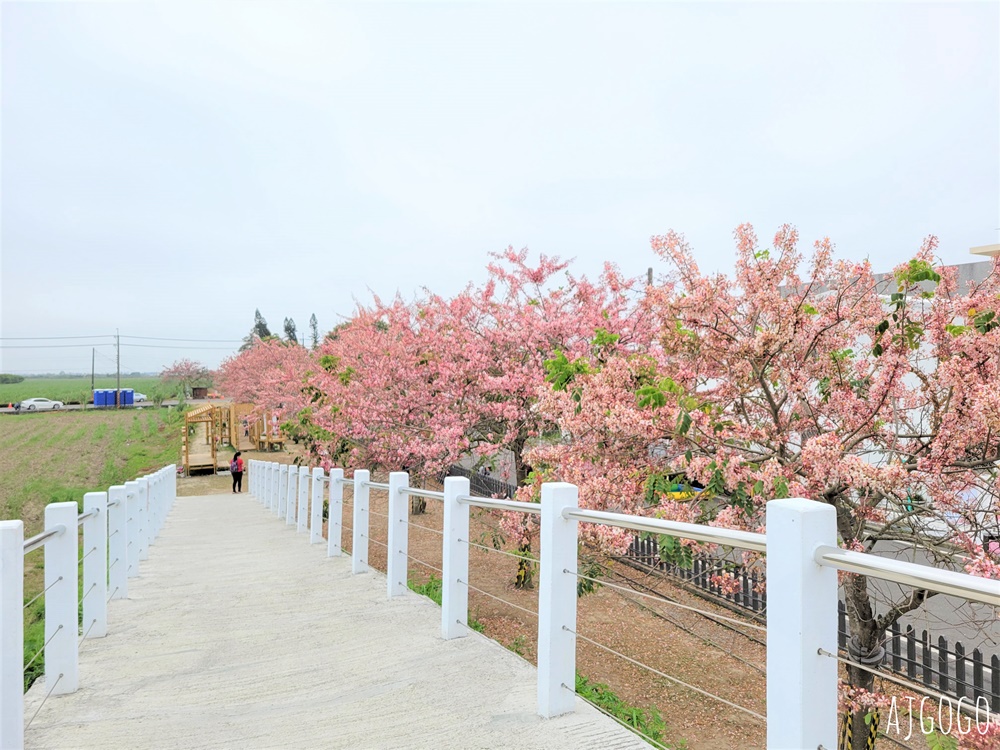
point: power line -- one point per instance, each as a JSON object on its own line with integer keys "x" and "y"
{"x": 156, "y": 346}
{"x": 51, "y": 338}
{"x": 203, "y": 341}
{"x": 54, "y": 346}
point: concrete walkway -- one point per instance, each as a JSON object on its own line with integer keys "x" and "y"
{"x": 239, "y": 634}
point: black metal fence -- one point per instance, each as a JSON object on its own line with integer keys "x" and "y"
{"x": 749, "y": 595}
{"x": 951, "y": 671}
{"x": 482, "y": 484}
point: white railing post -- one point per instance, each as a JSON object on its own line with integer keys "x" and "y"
{"x": 557, "y": 602}
{"x": 11, "y": 634}
{"x": 142, "y": 538}
{"x": 282, "y": 490}
{"x": 272, "y": 488}
{"x": 293, "y": 484}
{"x": 302, "y": 516}
{"x": 397, "y": 538}
{"x": 359, "y": 532}
{"x": 266, "y": 484}
{"x": 250, "y": 477}
{"x": 455, "y": 561}
{"x": 316, "y": 515}
{"x": 801, "y": 618}
{"x": 173, "y": 484}
{"x": 154, "y": 507}
{"x": 62, "y": 600}
{"x": 335, "y": 514}
{"x": 95, "y": 566}
{"x": 117, "y": 542}
{"x": 132, "y": 537}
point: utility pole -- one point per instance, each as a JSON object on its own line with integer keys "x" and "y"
{"x": 93, "y": 353}
{"x": 118, "y": 365}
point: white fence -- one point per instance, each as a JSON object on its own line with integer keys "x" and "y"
{"x": 118, "y": 527}
{"x": 802, "y": 563}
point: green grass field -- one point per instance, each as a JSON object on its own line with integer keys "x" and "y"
{"x": 57, "y": 457}
{"x": 73, "y": 390}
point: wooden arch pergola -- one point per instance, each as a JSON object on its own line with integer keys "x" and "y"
{"x": 200, "y": 443}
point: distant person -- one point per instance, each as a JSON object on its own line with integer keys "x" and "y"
{"x": 236, "y": 469}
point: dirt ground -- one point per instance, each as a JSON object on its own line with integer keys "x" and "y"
{"x": 727, "y": 661}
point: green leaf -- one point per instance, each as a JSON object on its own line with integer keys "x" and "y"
{"x": 809, "y": 309}
{"x": 683, "y": 423}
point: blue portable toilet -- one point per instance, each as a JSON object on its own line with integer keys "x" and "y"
{"x": 128, "y": 396}
{"x": 100, "y": 397}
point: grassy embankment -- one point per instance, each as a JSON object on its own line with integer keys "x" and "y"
{"x": 76, "y": 390}
{"x": 57, "y": 457}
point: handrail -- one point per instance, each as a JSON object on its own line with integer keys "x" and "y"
{"x": 92, "y": 513}
{"x": 346, "y": 481}
{"x": 498, "y": 504}
{"x": 377, "y": 485}
{"x": 949, "y": 582}
{"x": 710, "y": 534}
{"x": 432, "y": 494}
{"x": 38, "y": 540}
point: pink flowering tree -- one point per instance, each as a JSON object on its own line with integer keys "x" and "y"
{"x": 877, "y": 396}
{"x": 185, "y": 374}
{"x": 271, "y": 375}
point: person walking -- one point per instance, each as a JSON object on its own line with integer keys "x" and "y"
{"x": 236, "y": 469}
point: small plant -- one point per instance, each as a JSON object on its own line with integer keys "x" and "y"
{"x": 647, "y": 723}
{"x": 432, "y": 590}
{"x": 518, "y": 645}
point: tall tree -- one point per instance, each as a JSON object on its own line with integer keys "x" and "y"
{"x": 259, "y": 331}
{"x": 314, "y": 330}
{"x": 291, "y": 335}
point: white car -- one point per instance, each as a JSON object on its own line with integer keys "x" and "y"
{"x": 40, "y": 404}
{"x": 137, "y": 397}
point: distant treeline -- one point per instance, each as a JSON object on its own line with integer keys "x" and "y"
{"x": 6, "y": 379}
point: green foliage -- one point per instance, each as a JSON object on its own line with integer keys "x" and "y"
{"x": 675, "y": 553}
{"x": 592, "y": 569}
{"x": 432, "y": 590}
{"x": 329, "y": 362}
{"x": 560, "y": 371}
{"x": 518, "y": 645}
{"x": 905, "y": 331}
{"x": 7, "y": 379}
{"x": 935, "y": 740}
{"x": 654, "y": 395}
{"x": 915, "y": 272}
{"x": 644, "y": 722}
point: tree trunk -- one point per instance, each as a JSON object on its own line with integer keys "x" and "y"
{"x": 864, "y": 643}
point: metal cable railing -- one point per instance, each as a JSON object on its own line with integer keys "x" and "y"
{"x": 501, "y": 551}
{"x": 51, "y": 689}
{"x": 676, "y": 680}
{"x": 678, "y": 605}
{"x": 917, "y": 688}
{"x": 421, "y": 526}
{"x": 417, "y": 492}
{"x": 421, "y": 562}
{"x": 497, "y": 598}
{"x": 40, "y": 651}
{"x": 41, "y": 593}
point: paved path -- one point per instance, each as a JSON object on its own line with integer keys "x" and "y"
{"x": 239, "y": 634}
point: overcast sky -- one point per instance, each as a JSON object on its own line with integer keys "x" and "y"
{"x": 168, "y": 168}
